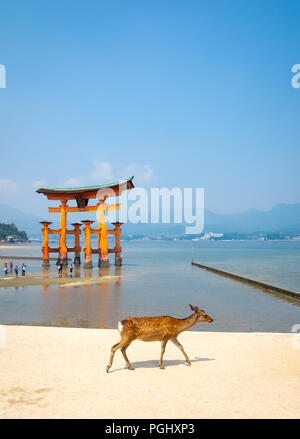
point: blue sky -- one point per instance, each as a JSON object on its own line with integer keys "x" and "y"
{"x": 177, "y": 93}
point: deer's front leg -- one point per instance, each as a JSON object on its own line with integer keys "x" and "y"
{"x": 176, "y": 343}
{"x": 163, "y": 348}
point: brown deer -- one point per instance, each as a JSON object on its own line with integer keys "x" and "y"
{"x": 163, "y": 328}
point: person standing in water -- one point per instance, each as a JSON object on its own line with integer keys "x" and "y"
{"x": 71, "y": 270}
{"x": 5, "y": 269}
{"x": 60, "y": 269}
{"x": 11, "y": 266}
{"x": 23, "y": 269}
{"x": 16, "y": 270}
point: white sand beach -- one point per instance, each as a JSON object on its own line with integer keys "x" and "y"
{"x": 48, "y": 372}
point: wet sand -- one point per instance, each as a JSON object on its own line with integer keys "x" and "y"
{"x": 60, "y": 372}
{"x": 17, "y": 247}
{"x": 37, "y": 279}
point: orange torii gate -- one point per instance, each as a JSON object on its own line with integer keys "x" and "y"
{"x": 82, "y": 195}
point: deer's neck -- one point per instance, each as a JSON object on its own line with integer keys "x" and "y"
{"x": 188, "y": 322}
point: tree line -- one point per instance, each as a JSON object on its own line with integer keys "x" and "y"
{"x": 10, "y": 233}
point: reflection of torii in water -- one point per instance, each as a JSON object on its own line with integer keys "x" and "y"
{"x": 82, "y": 196}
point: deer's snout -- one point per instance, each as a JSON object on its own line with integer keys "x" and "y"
{"x": 210, "y": 319}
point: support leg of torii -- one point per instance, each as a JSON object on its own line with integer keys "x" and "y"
{"x": 45, "y": 248}
{"x": 118, "y": 248}
{"x": 63, "y": 251}
{"x": 87, "y": 246}
{"x": 103, "y": 254}
{"x": 102, "y": 239}
{"x": 77, "y": 247}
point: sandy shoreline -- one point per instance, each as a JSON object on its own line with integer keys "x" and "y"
{"x": 17, "y": 247}
{"x": 60, "y": 372}
{"x": 63, "y": 282}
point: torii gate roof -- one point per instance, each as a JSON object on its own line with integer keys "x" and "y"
{"x": 86, "y": 192}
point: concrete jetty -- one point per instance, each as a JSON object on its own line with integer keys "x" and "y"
{"x": 252, "y": 282}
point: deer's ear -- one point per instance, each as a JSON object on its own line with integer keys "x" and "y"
{"x": 196, "y": 309}
{"x": 192, "y": 308}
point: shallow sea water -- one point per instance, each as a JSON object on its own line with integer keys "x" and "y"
{"x": 157, "y": 278}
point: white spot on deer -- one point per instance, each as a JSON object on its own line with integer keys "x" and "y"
{"x": 120, "y": 327}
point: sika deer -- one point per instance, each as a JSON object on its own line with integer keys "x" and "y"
{"x": 163, "y": 328}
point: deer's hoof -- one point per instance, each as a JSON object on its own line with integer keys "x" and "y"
{"x": 131, "y": 368}
{"x": 161, "y": 367}
{"x": 188, "y": 363}
{"x": 107, "y": 368}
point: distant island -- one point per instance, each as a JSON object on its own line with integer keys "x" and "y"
{"x": 282, "y": 222}
{"x": 210, "y": 236}
{"x": 10, "y": 233}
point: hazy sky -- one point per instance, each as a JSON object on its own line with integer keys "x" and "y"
{"x": 177, "y": 93}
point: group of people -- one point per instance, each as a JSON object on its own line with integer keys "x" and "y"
{"x": 60, "y": 269}
{"x": 14, "y": 268}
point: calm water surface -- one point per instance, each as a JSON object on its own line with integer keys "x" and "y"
{"x": 157, "y": 278}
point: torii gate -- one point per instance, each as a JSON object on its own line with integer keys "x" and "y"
{"x": 82, "y": 195}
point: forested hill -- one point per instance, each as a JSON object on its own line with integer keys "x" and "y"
{"x": 10, "y": 233}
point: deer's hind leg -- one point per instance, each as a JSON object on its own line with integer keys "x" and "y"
{"x": 176, "y": 343}
{"x": 122, "y": 343}
{"x": 123, "y": 350}
{"x": 163, "y": 348}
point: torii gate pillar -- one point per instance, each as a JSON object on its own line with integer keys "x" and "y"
{"x": 77, "y": 247}
{"x": 118, "y": 248}
{"x": 87, "y": 246}
{"x": 45, "y": 248}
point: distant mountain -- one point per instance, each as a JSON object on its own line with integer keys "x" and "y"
{"x": 23, "y": 221}
{"x": 283, "y": 218}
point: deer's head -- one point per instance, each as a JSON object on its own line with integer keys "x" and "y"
{"x": 201, "y": 315}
